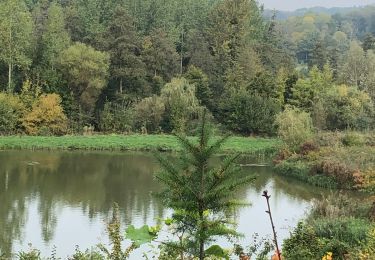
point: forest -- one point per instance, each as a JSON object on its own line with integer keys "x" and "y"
{"x": 134, "y": 72}
{"x": 126, "y": 66}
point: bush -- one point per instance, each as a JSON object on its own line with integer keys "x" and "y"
{"x": 344, "y": 175}
{"x": 302, "y": 244}
{"x": 116, "y": 118}
{"x": 348, "y": 107}
{"x": 247, "y": 113}
{"x": 353, "y": 139}
{"x": 46, "y": 116}
{"x": 11, "y": 110}
{"x": 330, "y": 139}
{"x": 294, "y": 127}
{"x": 351, "y": 231}
{"x": 149, "y": 113}
{"x": 308, "y": 147}
{"x": 302, "y": 171}
{"x": 181, "y": 104}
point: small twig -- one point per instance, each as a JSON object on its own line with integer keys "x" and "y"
{"x": 265, "y": 194}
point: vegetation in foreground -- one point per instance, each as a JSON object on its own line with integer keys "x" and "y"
{"x": 201, "y": 196}
{"x": 338, "y": 227}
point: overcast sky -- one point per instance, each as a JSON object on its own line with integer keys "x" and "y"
{"x": 296, "y": 4}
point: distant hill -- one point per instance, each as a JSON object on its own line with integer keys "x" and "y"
{"x": 282, "y": 15}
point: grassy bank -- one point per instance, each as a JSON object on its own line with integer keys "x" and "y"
{"x": 247, "y": 145}
{"x": 333, "y": 160}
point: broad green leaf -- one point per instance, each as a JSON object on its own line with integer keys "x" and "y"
{"x": 140, "y": 236}
{"x": 216, "y": 250}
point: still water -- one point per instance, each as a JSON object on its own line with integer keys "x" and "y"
{"x": 64, "y": 199}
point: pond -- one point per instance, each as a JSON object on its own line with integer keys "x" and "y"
{"x": 64, "y": 199}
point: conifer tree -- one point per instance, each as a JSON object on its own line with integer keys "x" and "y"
{"x": 201, "y": 195}
{"x": 123, "y": 43}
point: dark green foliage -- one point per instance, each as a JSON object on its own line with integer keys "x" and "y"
{"x": 200, "y": 194}
{"x": 247, "y": 113}
{"x": 123, "y": 43}
{"x": 203, "y": 92}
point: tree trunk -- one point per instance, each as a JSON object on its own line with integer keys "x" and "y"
{"x": 201, "y": 242}
{"x": 182, "y": 51}
{"x": 10, "y": 65}
{"x": 10, "y": 77}
{"x": 120, "y": 86}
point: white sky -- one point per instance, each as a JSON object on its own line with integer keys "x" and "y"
{"x": 290, "y": 5}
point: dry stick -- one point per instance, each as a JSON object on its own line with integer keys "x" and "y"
{"x": 265, "y": 194}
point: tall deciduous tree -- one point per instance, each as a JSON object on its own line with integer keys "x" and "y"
{"x": 51, "y": 39}
{"x": 354, "y": 67}
{"x": 86, "y": 70}
{"x": 200, "y": 194}
{"x": 15, "y": 36}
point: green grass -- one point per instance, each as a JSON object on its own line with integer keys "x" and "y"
{"x": 247, "y": 145}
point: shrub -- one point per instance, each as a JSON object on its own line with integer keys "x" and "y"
{"x": 353, "y": 139}
{"x": 348, "y": 107}
{"x": 351, "y": 231}
{"x": 149, "y": 113}
{"x": 294, "y": 127}
{"x": 46, "y": 116}
{"x": 181, "y": 104}
{"x": 330, "y": 139}
{"x": 248, "y": 113}
{"x": 11, "y": 110}
{"x": 302, "y": 244}
{"x": 116, "y": 118}
{"x": 308, "y": 147}
{"x": 343, "y": 174}
{"x": 301, "y": 170}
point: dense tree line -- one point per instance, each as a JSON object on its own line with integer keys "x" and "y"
{"x": 150, "y": 66}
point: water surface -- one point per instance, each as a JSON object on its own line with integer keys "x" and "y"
{"x": 64, "y": 199}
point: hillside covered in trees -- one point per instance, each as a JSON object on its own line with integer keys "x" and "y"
{"x": 149, "y": 66}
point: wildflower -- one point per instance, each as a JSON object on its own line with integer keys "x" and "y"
{"x": 328, "y": 256}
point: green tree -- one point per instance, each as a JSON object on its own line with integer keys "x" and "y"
{"x": 15, "y": 36}
{"x": 348, "y": 107}
{"x": 160, "y": 56}
{"x": 200, "y": 80}
{"x": 86, "y": 70}
{"x": 319, "y": 55}
{"x": 55, "y": 38}
{"x": 200, "y": 195}
{"x": 294, "y": 127}
{"x": 181, "y": 104}
{"x": 369, "y": 84}
{"x": 123, "y": 43}
{"x": 52, "y": 38}
{"x": 368, "y": 42}
{"x": 354, "y": 66}
{"x": 11, "y": 112}
{"x": 247, "y": 113}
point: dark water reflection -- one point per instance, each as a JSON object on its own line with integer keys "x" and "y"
{"x": 64, "y": 198}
